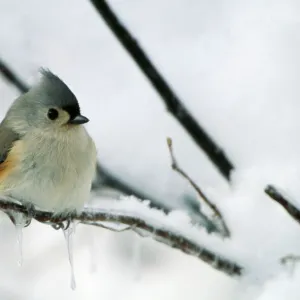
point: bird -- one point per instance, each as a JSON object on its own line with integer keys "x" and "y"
{"x": 47, "y": 157}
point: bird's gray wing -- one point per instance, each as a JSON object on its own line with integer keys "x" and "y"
{"x": 7, "y": 139}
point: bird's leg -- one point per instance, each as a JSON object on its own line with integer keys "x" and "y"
{"x": 68, "y": 222}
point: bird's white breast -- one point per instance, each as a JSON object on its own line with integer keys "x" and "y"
{"x": 55, "y": 170}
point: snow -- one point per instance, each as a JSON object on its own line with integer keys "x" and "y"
{"x": 235, "y": 64}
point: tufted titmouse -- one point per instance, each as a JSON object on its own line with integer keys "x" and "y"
{"x": 47, "y": 158}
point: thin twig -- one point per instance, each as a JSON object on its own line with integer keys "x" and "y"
{"x": 212, "y": 206}
{"x": 97, "y": 224}
{"x": 174, "y": 105}
{"x": 274, "y": 194}
{"x": 162, "y": 234}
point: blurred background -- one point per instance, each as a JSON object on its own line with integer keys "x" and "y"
{"x": 235, "y": 65}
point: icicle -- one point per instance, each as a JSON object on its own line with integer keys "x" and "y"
{"x": 20, "y": 221}
{"x": 69, "y": 235}
{"x": 19, "y": 231}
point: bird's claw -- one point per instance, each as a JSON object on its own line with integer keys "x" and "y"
{"x": 28, "y": 222}
{"x": 30, "y": 213}
{"x": 61, "y": 225}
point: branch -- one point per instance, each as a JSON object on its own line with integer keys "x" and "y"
{"x": 163, "y": 233}
{"x": 107, "y": 179}
{"x": 292, "y": 210}
{"x": 212, "y": 206}
{"x": 12, "y": 77}
{"x": 171, "y": 100}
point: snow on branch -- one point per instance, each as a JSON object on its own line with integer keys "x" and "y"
{"x": 105, "y": 178}
{"x": 174, "y": 230}
{"x": 278, "y": 197}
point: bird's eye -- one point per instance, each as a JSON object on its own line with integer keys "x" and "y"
{"x": 52, "y": 114}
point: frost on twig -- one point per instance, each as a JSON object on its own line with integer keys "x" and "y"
{"x": 141, "y": 219}
{"x": 212, "y": 206}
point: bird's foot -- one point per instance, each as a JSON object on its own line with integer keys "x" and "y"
{"x": 30, "y": 213}
{"x": 62, "y": 225}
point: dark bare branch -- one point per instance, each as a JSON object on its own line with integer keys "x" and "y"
{"x": 174, "y": 105}
{"x": 161, "y": 234}
{"x": 211, "y": 205}
{"x": 277, "y": 196}
{"x": 12, "y": 77}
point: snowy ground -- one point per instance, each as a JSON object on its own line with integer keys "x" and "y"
{"x": 235, "y": 64}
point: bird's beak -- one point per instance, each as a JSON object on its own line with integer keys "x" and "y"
{"x": 78, "y": 120}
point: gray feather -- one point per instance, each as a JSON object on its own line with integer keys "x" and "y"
{"x": 7, "y": 139}
{"x": 57, "y": 93}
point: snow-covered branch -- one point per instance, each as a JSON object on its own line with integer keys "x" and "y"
{"x": 174, "y": 230}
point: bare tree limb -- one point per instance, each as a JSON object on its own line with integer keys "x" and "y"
{"x": 211, "y": 205}
{"x": 174, "y": 105}
{"x": 291, "y": 209}
{"x": 12, "y": 77}
{"x": 161, "y": 234}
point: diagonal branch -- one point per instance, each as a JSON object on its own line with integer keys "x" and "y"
{"x": 12, "y": 77}
{"x": 211, "y": 205}
{"x": 291, "y": 209}
{"x": 162, "y": 233}
{"x": 174, "y": 105}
